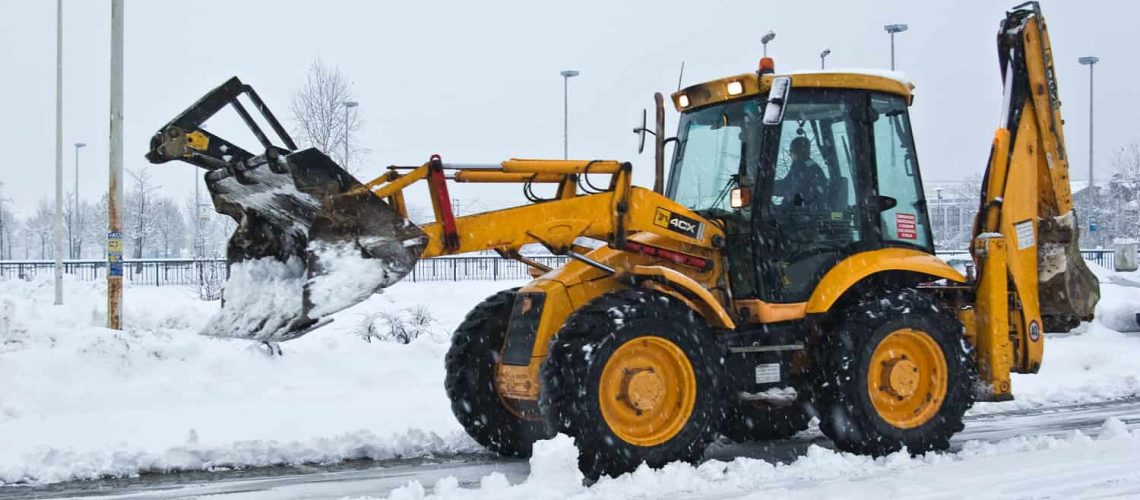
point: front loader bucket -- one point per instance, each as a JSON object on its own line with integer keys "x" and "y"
{"x": 311, "y": 240}
{"x": 1069, "y": 291}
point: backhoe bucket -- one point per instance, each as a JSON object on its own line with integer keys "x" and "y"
{"x": 1069, "y": 291}
{"x": 311, "y": 240}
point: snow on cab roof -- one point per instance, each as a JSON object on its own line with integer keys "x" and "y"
{"x": 751, "y": 84}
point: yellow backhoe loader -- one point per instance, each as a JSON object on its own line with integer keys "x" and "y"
{"x": 785, "y": 268}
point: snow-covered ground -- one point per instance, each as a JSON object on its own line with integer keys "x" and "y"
{"x": 81, "y": 401}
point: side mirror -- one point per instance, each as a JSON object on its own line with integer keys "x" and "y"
{"x": 640, "y": 131}
{"x": 777, "y": 98}
{"x": 884, "y": 203}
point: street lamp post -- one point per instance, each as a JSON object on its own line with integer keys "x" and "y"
{"x": 348, "y": 105}
{"x": 892, "y": 29}
{"x": 566, "y": 76}
{"x": 57, "y": 237}
{"x": 768, "y": 37}
{"x": 823, "y": 58}
{"x": 1090, "y": 61}
{"x": 74, "y": 224}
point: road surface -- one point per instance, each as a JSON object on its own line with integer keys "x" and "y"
{"x": 376, "y": 478}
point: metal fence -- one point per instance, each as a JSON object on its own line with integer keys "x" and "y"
{"x": 160, "y": 272}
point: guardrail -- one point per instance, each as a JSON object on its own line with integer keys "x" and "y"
{"x": 162, "y": 272}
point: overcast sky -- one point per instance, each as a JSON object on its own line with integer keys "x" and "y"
{"x": 479, "y": 82}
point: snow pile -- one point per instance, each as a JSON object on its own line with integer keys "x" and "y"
{"x": 81, "y": 401}
{"x": 819, "y": 473}
{"x": 262, "y": 297}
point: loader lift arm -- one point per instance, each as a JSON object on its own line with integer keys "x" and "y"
{"x": 1031, "y": 273}
{"x": 303, "y": 216}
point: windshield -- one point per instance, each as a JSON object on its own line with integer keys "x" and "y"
{"x": 710, "y": 145}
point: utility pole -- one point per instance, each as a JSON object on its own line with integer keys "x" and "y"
{"x": 892, "y": 29}
{"x": 823, "y": 58}
{"x": 57, "y": 242}
{"x": 347, "y": 106}
{"x": 1090, "y": 61}
{"x": 115, "y": 189}
{"x": 566, "y": 76}
{"x": 74, "y": 224}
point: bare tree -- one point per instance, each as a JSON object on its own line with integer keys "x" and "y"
{"x": 1127, "y": 161}
{"x": 321, "y": 117}
{"x": 95, "y": 230}
{"x": 169, "y": 228}
{"x": 139, "y": 218}
{"x": 7, "y": 221}
{"x": 40, "y": 228}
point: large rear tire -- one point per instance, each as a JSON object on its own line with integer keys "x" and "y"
{"x": 632, "y": 376}
{"x": 895, "y": 371}
{"x": 470, "y": 383}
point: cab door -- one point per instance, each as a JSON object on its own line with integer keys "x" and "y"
{"x": 812, "y": 200}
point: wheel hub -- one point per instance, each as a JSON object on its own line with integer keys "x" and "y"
{"x": 642, "y": 389}
{"x": 907, "y": 378}
{"x": 647, "y": 390}
{"x": 901, "y": 377}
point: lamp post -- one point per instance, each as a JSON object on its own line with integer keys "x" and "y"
{"x": 73, "y": 224}
{"x": 892, "y": 29}
{"x": 823, "y": 58}
{"x": 57, "y": 236}
{"x": 768, "y": 37}
{"x": 1090, "y": 61}
{"x": 348, "y": 105}
{"x": 566, "y": 76}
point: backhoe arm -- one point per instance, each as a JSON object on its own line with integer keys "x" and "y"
{"x": 1031, "y": 274}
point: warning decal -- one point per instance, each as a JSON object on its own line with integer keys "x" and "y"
{"x": 906, "y": 226}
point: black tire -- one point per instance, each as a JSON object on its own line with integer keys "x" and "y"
{"x": 572, "y": 373}
{"x": 751, "y": 421}
{"x": 470, "y": 383}
{"x": 844, "y": 353}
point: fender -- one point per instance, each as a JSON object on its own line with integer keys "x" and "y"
{"x": 853, "y": 269}
{"x": 685, "y": 289}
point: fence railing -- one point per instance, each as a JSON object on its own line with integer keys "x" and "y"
{"x": 161, "y": 272}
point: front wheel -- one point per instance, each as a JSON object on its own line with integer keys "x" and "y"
{"x": 632, "y": 377}
{"x": 895, "y": 372}
{"x": 471, "y": 364}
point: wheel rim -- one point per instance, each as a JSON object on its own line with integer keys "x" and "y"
{"x": 647, "y": 391}
{"x": 907, "y": 378}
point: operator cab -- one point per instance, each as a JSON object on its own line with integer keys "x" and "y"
{"x": 836, "y": 174}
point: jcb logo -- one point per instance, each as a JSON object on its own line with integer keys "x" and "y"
{"x": 678, "y": 223}
{"x": 662, "y": 218}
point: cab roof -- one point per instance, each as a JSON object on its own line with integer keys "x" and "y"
{"x": 751, "y": 84}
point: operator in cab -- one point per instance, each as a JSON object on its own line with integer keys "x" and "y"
{"x": 804, "y": 186}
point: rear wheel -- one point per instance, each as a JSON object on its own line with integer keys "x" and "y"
{"x": 470, "y": 383}
{"x": 895, "y": 372}
{"x": 632, "y": 377}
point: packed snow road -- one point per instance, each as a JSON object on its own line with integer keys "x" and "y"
{"x": 1003, "y": 431}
